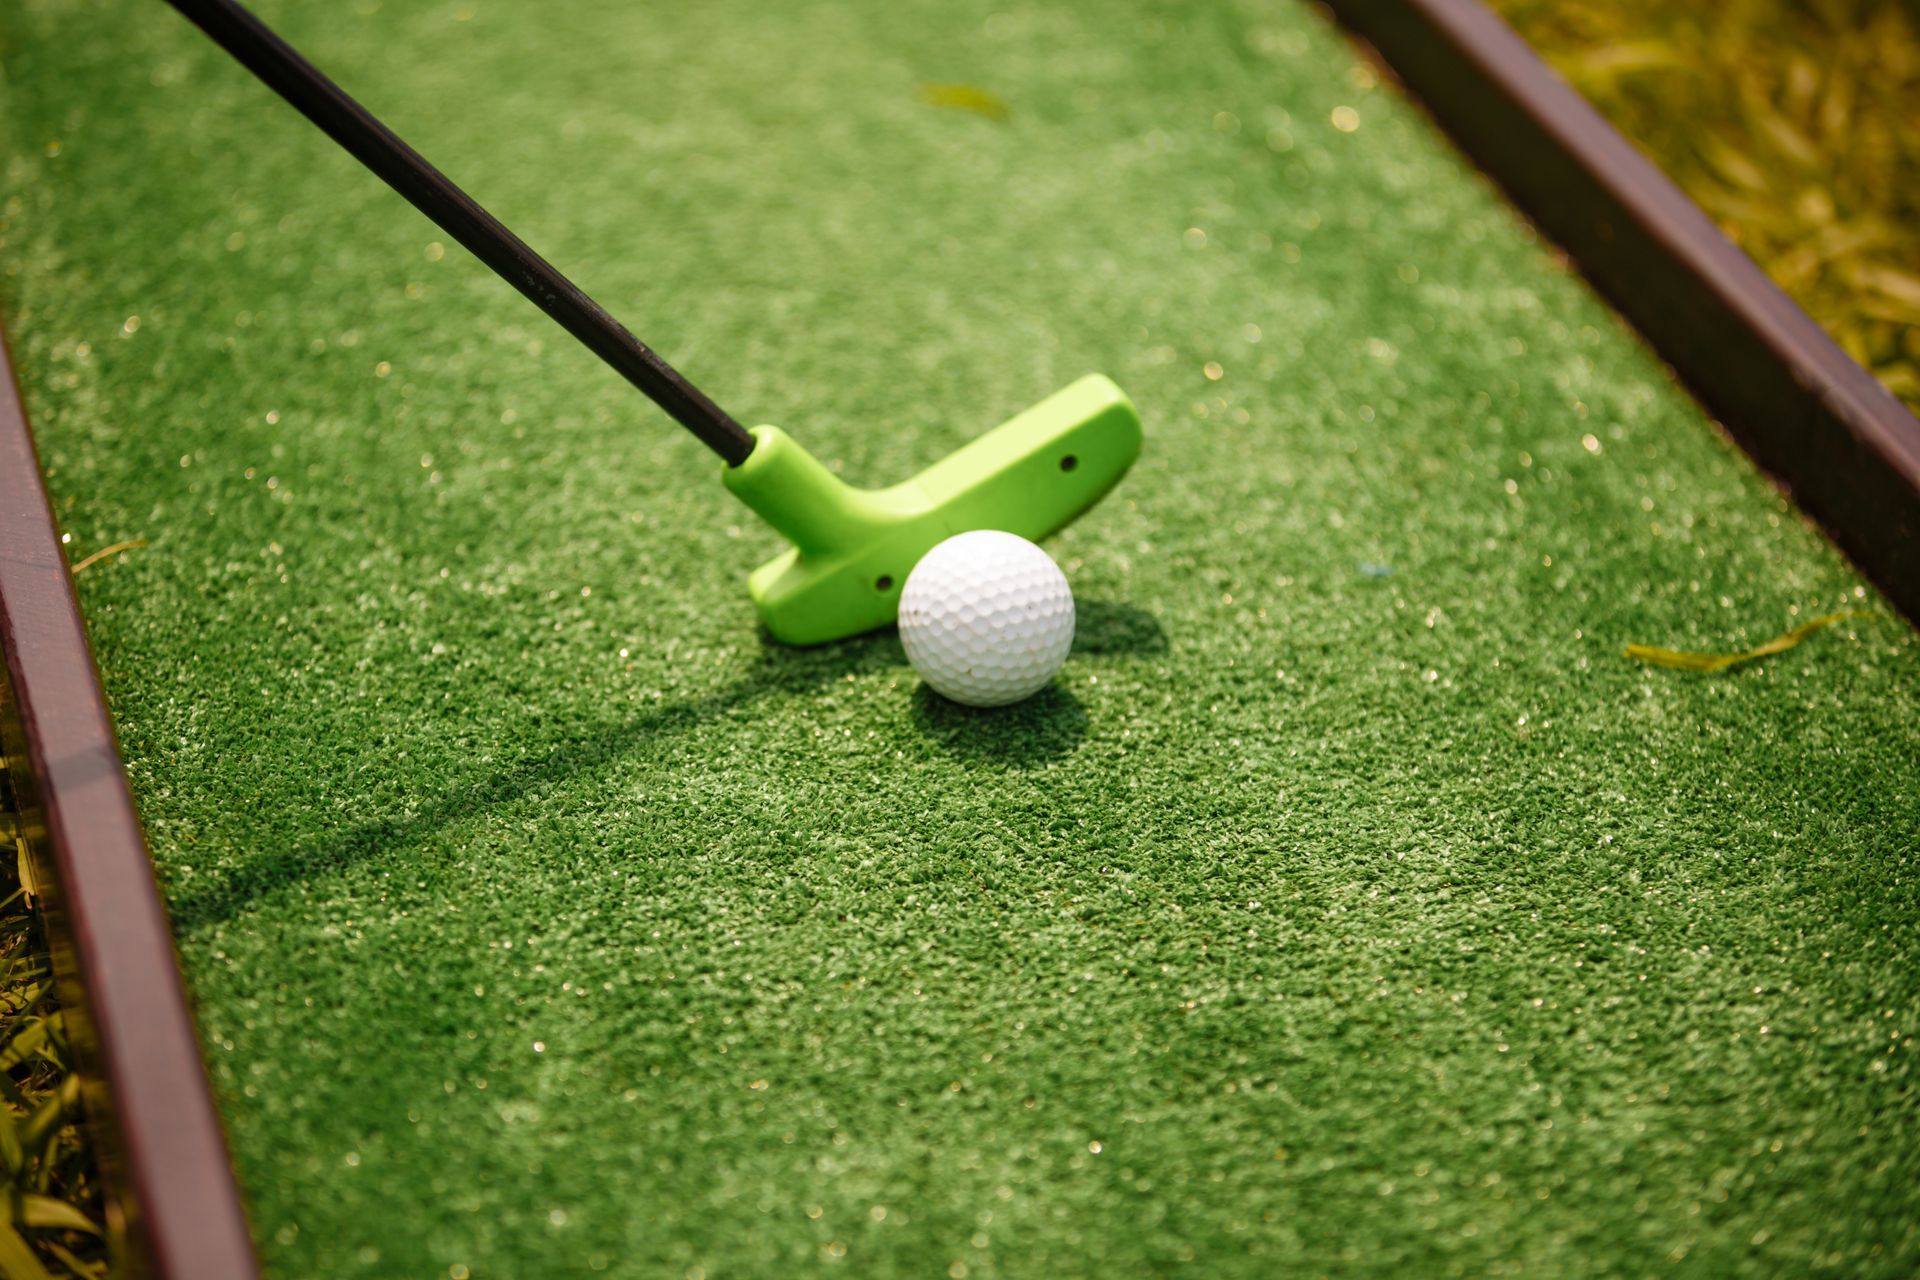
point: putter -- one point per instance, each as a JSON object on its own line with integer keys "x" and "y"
{"x": 852, "y": 548}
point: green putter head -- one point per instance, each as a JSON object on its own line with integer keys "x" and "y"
{"x": 853, "y": 548}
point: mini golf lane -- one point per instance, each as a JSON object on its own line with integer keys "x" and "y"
{"x": 1348, "y": 902}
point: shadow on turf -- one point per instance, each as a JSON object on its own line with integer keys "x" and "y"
{"x": 1103, "y": 627}
{"x": 1052, "y": 722}
{"x": 581, "y": 748}
{"x": 1047, "y": 726}
{"x": 1044, "y": 727}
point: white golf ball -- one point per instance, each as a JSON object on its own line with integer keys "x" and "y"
{"x": 986, "y": 618}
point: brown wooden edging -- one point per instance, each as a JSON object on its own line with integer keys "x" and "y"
{"x": 172, "y": 1189}
{"x": 1845, "y": 449}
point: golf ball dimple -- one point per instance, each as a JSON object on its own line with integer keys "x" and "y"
{"x": 986, "y": 618}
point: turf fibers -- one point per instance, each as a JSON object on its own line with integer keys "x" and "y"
{"x": 1348, "y": 904}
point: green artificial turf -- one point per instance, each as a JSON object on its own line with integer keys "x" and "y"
{"x": 1350, "y": 903}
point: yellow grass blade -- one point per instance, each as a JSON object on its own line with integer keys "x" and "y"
{"x": 1707, "y": 663}
{"x": 964, "y": 97}
{"x": 104, "y": 552}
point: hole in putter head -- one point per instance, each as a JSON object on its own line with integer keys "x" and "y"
{"x": 1069, "y": 462}
{"x": 883, "y": 583}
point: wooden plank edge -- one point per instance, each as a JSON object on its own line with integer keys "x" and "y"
{"x": 172, "y": 1196}
{"x": 1843, "y": 447}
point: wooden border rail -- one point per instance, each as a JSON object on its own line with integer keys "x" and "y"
{"x": 172, "y": 1194}
{"x": 1842, "y": 446}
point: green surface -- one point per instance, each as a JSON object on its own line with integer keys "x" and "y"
{"x": 854, "y": 547}
{"x": 1349, "y": 904}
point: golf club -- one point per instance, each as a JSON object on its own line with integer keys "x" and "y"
{"x": 852, "y": 548}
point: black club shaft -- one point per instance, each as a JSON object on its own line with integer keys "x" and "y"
{"x": 351, "y": 125}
